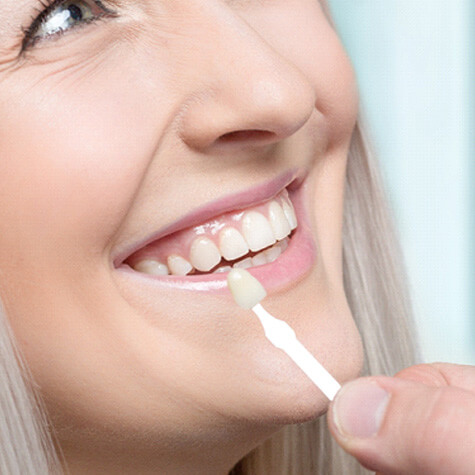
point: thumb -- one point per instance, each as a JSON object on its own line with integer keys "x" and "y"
{"x": 397, "y": 426}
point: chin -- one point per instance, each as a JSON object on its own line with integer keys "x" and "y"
{"x": 290, "y": 396}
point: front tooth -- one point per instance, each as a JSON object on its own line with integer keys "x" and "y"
{"x": 204, "y": 254}
{"x": 289, "y": 213}
{"x": 152, "y": 267}
{"x": 232, "y": 244}
{"x": 178, "y": 265}
{"x": 257, "y": 231}
{"x": 279, "y": 223}
{"x": 244, "y": 264}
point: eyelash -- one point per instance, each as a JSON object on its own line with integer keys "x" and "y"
{"x": 48, "y": 6}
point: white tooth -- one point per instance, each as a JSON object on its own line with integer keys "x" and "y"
{"x": 204, "y": 254}
{"x": 222, "y": 269}
{"x": 278, "y": 221}
{"x": 152, "y": 267}
{"x": 289, "y": 213}
{"x": 259, "y": 259}
{"x": 272, "y": 253}
{"x": 244, "y": 264}
{"x": 232, "y": 244}
{"x": 283, "y": 245}
{"x": 178, "y": 265}
{"x": 257, "y": 231}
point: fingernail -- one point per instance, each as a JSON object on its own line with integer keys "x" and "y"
{"x": 359, "y": 409}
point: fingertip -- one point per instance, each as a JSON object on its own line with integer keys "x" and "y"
{"x": 358, "y": 410}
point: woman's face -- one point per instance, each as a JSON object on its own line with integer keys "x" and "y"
{"x": 161, "y": 137}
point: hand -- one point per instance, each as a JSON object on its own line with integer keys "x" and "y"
{"x": 420, "y": 422}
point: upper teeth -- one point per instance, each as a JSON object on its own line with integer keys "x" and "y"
{"x": 178, "y": 265}
{"x": 257, "y": 232}
{"x": 232, "y": 244}
{"x": 204, "y": 255}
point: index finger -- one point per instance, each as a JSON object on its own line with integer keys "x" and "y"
{"x": 441, "y": 374}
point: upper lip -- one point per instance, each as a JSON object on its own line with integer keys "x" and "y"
{"x": 236, "y": 201}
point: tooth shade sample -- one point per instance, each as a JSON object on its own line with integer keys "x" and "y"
{"x": 232, "y": 244}
{"x": 244, "y": 264}
{"x": 257, "y": 231}
{"x": 246, "y": 289}
{"x": 279, "y": 223}
{"x": 204, "y": 254}
{"x": 289, "y": 214}
{"x": 152, "y": 267}
{"x": 178, "y": 265}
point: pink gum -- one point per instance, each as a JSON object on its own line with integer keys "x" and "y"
{"x": 179, "y": 243}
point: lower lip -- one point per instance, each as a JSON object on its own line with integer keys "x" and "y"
{"x": 287, "y": 270}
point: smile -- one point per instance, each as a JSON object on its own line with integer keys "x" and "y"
{"x": 270, "y": 235}
{"x": 248, "y": 238}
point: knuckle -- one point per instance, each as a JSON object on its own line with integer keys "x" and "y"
{"x": 428, "y": 374}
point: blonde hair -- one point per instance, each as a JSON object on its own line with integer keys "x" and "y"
{"x": 26, "y": 446}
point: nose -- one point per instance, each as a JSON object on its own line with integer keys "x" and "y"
{"x": 247, "y": 93}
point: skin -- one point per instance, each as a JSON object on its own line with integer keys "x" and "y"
{"x": 427, "y": 427}
{"x": 104, "y": 133}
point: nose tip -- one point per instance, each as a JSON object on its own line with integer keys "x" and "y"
{"x": 258, "y": 111}
{"x": 253, "y": 96}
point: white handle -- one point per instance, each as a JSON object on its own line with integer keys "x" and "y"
{"x": 282, "y": 336}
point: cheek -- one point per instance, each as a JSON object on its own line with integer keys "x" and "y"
{"x": 72, "y": 157}
{"x": 71, "y": 160}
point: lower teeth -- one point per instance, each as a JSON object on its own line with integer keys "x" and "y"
{"x": 222, "y": 269}
{"x": 263, "y": 257}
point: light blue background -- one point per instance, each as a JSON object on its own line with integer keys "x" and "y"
{"x": 415, "y": 66}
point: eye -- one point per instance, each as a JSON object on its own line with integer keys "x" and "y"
{"x": 60, "y": 16}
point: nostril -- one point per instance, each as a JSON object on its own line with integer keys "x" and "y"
{"x": 247, "y": 136}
